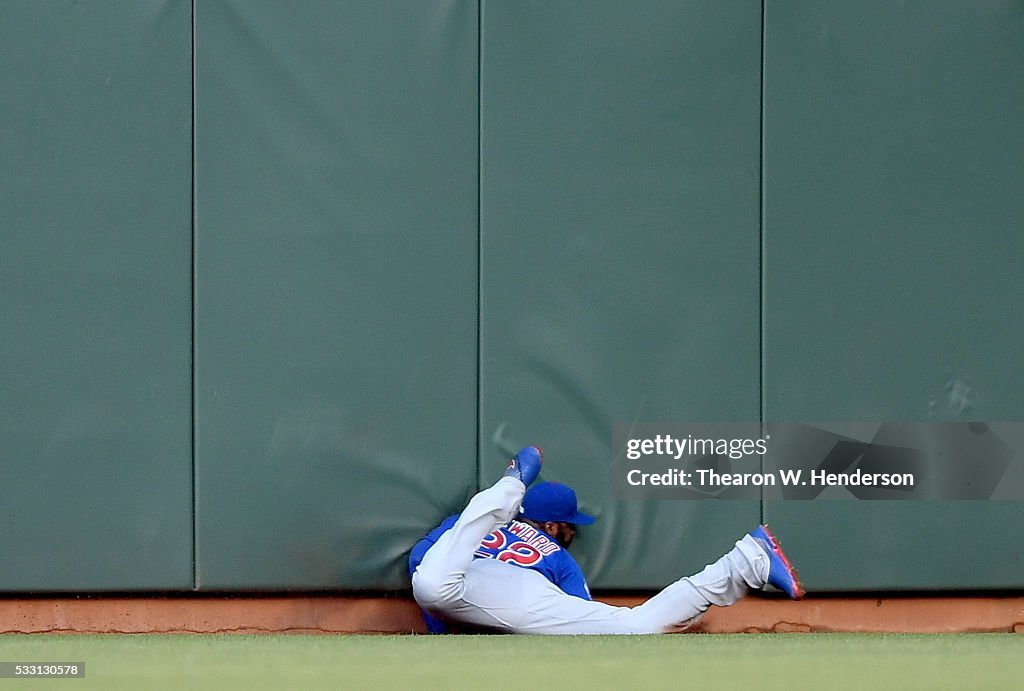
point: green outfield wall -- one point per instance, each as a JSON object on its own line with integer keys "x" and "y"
{"x": 283, "y": 284}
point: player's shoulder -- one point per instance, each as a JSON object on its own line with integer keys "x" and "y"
{"x": 446, "y": 525}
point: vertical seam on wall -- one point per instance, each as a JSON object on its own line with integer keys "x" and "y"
{"x": 195, "y": 571}
{"x": 760, "y": 253}
{"x": 479, "y": 235}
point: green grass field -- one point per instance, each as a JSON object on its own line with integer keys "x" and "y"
{"x": 761, "y": 661}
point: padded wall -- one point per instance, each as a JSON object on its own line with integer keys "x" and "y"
{"x": 378, "y": 246}
{"x": 336, "y": 287}
{"x": 893, "y": 217}
{"x": 95, "y": 314}
{"x": 619, "y": 235}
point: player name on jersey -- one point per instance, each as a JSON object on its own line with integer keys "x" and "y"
{"x": 533, "y": 537}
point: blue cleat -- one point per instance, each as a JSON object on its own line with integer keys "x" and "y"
{"x": 525, "y": 465}
{"x": 781, "y": 573}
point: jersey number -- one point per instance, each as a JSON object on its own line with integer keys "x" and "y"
{"x": 517, "y": 552}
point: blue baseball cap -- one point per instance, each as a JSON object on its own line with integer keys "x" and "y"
{"x": 553, "y": 501}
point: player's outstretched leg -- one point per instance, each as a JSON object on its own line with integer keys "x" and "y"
{"x": 439, "y": 581}
{"x": 755, "y": 561}
{"x": 781, "y": 573}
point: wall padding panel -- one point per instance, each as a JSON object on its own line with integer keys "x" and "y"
{"x": 893, "y": 216}
{"x": 619, "y": 235}
{"x": 95, "y": 296}
{"x": 336, "y": 287}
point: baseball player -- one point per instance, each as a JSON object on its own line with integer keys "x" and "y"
{"x": 502, "y": 564}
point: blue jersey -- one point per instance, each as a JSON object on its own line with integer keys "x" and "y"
{"x": 519, "y": 544}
